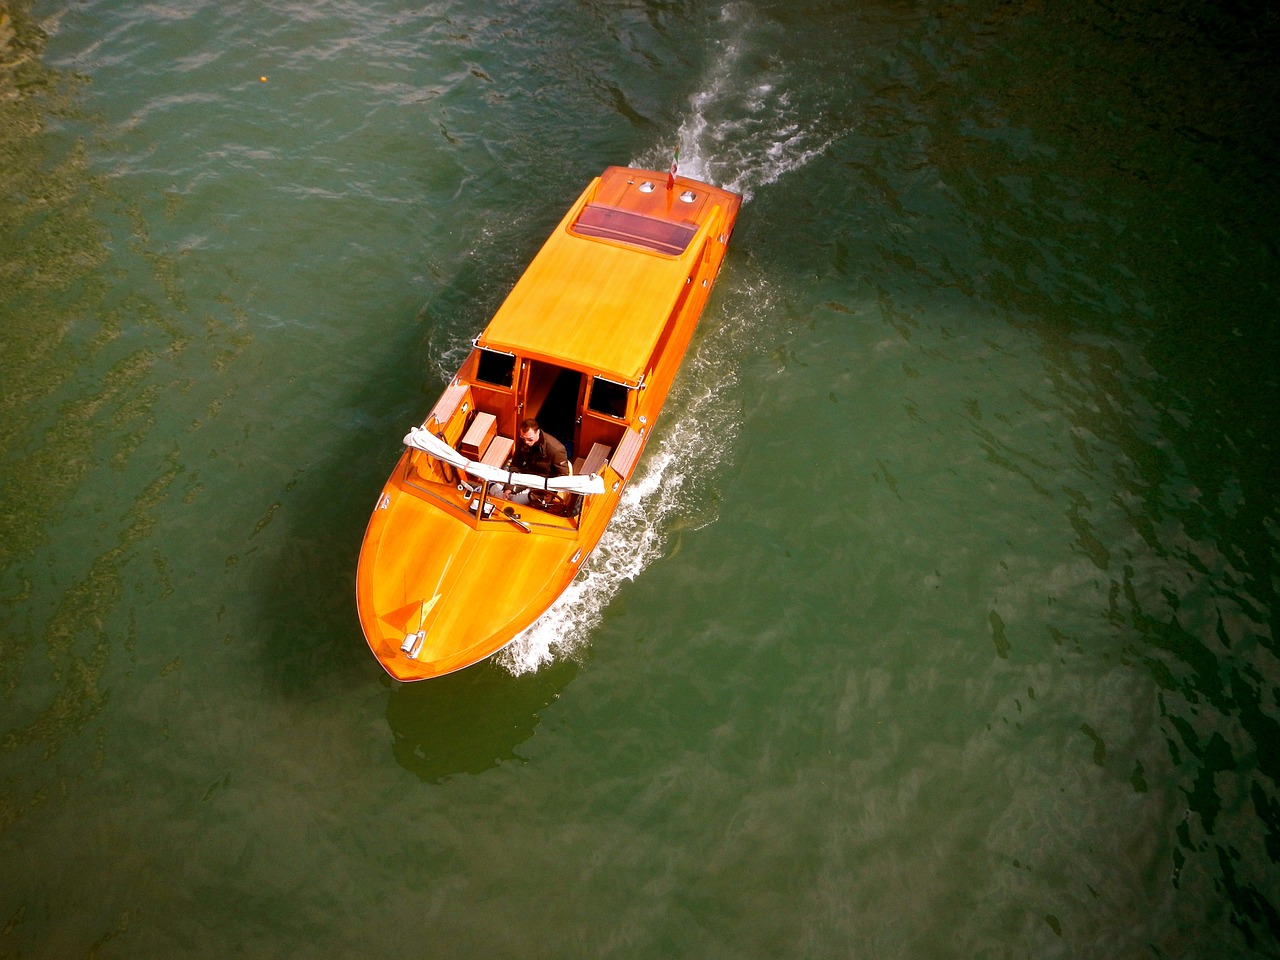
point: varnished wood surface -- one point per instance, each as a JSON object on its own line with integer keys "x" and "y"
{"x": 560, "y": 308}
{"x": 469, "y": 585}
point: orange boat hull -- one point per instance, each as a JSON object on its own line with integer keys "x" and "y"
{"x": 588, "y": 341}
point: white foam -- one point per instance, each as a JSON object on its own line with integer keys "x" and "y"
{"x": 741, "y": 131}
{"x": 671, "y": 486}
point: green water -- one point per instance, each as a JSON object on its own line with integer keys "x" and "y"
{"x": 938, "y": 621}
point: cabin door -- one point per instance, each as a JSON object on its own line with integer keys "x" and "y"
{"x": 551, "y": 395}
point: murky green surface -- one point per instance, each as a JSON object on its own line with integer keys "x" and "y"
{"x": 939, "y": 620}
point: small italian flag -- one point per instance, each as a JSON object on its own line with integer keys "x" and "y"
{"x": 671, "y": 177}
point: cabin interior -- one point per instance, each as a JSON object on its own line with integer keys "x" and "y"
{"x": 588, "y": 414}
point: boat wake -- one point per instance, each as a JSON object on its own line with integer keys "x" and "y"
{"x": 739, "y": 133}
{"x": 669, "y": 491}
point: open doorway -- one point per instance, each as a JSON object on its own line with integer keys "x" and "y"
{"x": 552, "y": 399}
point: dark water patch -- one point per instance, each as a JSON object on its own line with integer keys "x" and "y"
{"x": 1199, "y": 293}
{"x": 1099, "y": 745}
{"x": 998, "y": 636}
{"x": 1154, "y": 326}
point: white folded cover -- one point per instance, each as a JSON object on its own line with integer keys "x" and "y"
{"x": 421, "y": 439}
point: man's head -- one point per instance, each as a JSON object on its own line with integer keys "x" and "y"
{"x": 529, "y": 432}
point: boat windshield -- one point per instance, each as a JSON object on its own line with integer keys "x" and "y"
{"x": 634, "y": 229}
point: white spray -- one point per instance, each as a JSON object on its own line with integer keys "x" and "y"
{"x": 738, "y": 134}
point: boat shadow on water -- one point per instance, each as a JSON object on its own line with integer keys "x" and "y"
{"x": 465, "y": 722}
{"x": 309, "y": 626}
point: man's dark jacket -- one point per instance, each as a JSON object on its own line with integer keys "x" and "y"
{"x": 546, "y": 458}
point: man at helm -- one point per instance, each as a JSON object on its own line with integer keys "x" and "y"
{"x": 541, "y": 454}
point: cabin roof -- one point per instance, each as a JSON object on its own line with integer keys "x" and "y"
{"x": 590, "y": 303}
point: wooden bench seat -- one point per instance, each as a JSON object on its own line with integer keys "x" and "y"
{"x": 628, "y": 452}
{"x": 449, "y": 402}
{"x": 594, "y": 461}
{"x": 499, "y": 450}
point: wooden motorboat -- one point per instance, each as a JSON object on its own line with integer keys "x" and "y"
{"x": 588, "y": 343}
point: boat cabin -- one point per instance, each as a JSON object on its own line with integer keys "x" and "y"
{"x": 601, "y": 316}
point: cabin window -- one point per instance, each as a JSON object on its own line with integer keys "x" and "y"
{"x": 496, "y": 368}
{"x": 608, "y": 398}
